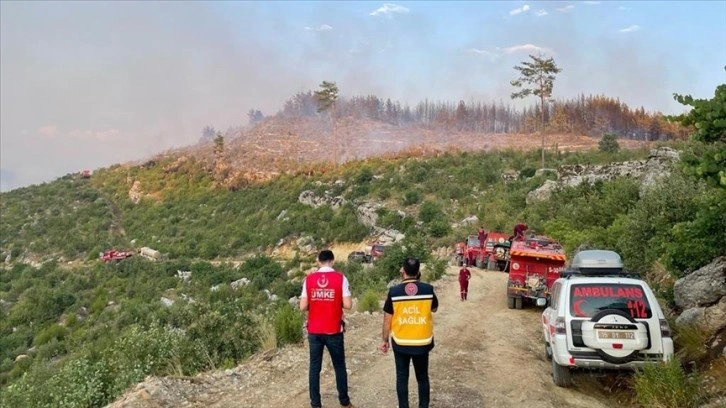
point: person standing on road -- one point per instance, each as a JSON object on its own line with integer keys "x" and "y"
{"x": 408, "y": 329}
{"x": 325, "y": 294}
{"x": 464, "y": 276}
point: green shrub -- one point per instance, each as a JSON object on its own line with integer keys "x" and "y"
{"x": 435, "y": 270}
{"x": 411, "y": 197}
{"x": 430, "y": 211}
{"x": 140, "y": 352}
{"x": 666, "y": 386}
{"x": 369, "y": 302}
{"x": 54, "y": 331}
{"x": 79, "y": 383}
{"x": 288, "y": 325}
{"x": 527, "y": 172}
{"x": 608, "y": 143}
{"x": 439, "y": 228}
{"x": 365, "y": 176}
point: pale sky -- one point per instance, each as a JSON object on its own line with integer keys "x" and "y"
{"x": 87, "y": 84}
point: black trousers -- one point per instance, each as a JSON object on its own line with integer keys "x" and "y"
{"x": 421, "y": 368}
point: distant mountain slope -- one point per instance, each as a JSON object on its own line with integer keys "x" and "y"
{"x": 289, "y": 144}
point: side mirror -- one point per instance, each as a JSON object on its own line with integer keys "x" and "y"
{"x": 541, "y": 302}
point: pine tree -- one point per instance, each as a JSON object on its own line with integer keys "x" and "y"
{"x": 326, "y": 98}
{"x": 539, "y": 74}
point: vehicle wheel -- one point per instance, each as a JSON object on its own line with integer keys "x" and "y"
{"x": 479, "y": 262}
{"x": 510, "y": 302}
{"x": 492, "y": 265}
{"x": 561, "y": 375}
{"x": 518, "y": 303}
{"x": 548, "y": 351}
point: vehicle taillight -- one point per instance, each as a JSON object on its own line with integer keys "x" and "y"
{"x": 560, "y": 326}
{"x": 665, "y": 329}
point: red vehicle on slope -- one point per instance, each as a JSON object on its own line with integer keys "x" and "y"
{"x": 488, "y": 254}
{"x": 114, "y": 255}
{"x": 468, "y": 253}
{"x": 534, "y": 265}
{"x": 375, "y": 251}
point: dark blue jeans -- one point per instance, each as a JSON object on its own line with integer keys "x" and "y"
{"x": 421, "y": 368}
{"x": 336, "y": 348}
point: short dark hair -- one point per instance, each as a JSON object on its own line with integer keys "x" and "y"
{"x": 326, "y": 255}
{"x": 411, "y": 266}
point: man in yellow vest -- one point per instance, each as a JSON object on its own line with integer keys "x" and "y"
{"x": 408, "y": 329}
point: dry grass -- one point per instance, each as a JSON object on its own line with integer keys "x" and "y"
{"x": 690, "y": 343}
{"x": 717, "y": 372}
{"x": 342, "y": 249}
{"x": 267, "y": 335}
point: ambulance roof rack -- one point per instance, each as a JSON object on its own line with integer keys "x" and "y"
{"x": 599, "y": 273}
{"x": 596, "y": 262}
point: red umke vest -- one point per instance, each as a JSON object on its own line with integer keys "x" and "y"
{"x": 325, "y": 302}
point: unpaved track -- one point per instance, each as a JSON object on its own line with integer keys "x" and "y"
{"x": 485, "y": 356}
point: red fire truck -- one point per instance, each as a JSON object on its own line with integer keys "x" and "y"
{"x": 534, "y": 264}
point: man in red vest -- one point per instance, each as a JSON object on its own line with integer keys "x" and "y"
{"x": 325, "y": 294}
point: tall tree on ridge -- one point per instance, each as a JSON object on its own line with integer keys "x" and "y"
{"x": 536, "y": 77}
{"x": 326, "y": 97}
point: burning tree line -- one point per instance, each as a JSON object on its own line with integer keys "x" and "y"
{"x": 593, "y": 115}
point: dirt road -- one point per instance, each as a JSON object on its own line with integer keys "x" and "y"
{"x": 485, "y": 356}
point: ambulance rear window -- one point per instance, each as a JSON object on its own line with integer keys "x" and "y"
{"x": 587, "y": 299}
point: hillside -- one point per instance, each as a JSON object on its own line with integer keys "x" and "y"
{"x": 236, "y": 241}
{"x": 298, "y": 136}
{"x": 68, "y": 317}
{"x": 294, "y": 143}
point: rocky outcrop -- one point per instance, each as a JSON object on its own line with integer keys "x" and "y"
{"x": 543, "y": 193}
{"x": 150, "y": 253}
{"x": 471, "y": 220}
{"x": 648, "y": 172}
{"x": 367, "y": 214}
{"x": 240, "y": 283}
{"x": 186, "y": 276}
{"x": 511, "y": 175}
{"x": 135, "y": 192}
{"x": 388, "y": 236}
{"x": 703, "y": 287}
{"x": 702, "y": 296}
{"x": 309, "y": 197}
{"x": 306, "y": 244}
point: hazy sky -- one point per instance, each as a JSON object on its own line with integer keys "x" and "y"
{"x": 87, "y": 84}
